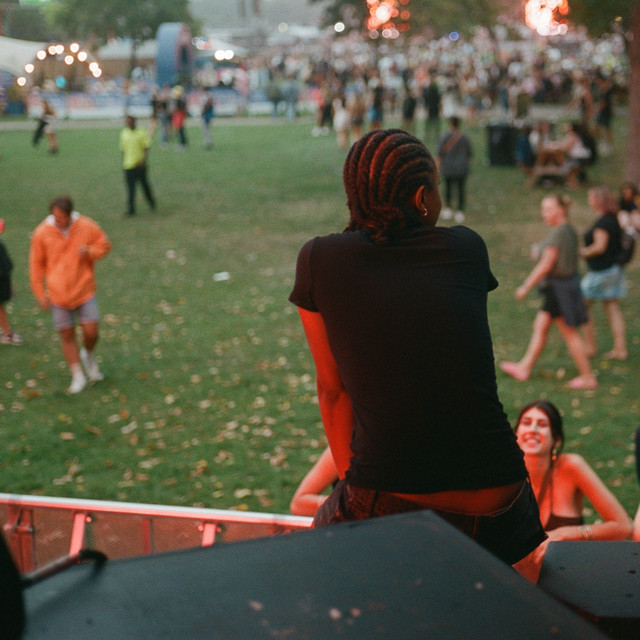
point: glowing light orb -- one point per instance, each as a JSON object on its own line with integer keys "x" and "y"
{"x": 339, "y": 27}
{"x": 545, "y": 16}
{"x": 41, "y": 55}
{"x": 82, "y": 56}
{"x": 21, "y": 81}
{"x": 68, "y": 60}
{"x": 29, "y": 68}
{"x": 383, "y": 16}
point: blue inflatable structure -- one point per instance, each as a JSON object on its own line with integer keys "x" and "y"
{"x": 174, "y": 61}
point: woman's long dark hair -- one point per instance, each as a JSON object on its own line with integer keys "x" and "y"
{"x": 381, "y": 174}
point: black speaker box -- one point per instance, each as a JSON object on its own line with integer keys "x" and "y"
{"x": 600, "y": 580}
{"x": 11, "y": 602}
{"x": 399, "y": 577}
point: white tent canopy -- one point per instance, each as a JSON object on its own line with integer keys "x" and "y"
{"x": 14, "y": 54}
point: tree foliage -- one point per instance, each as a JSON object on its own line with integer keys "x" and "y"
{"x": 600, "y": 17}
{"x": 439, "y": 16}
{"x": 99, "y": 19}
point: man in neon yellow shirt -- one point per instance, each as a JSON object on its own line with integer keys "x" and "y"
{"x": 134, "y": 144}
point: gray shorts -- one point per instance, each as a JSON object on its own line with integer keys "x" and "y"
{"x": 86, "y": 313}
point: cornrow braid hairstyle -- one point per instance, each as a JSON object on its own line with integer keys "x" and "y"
{"x": 381, "y": 174}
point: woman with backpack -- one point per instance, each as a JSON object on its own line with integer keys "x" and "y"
{"x": 604, "y": 279}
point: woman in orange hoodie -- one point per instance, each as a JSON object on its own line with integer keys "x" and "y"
{"x": 64, "y": 250}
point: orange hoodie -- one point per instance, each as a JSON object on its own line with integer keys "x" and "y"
{"x": 55, "y": 257}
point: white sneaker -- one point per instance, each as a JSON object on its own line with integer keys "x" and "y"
{"x": 78, "y": 383}
{"x": 446, "y": 214}
{"x": 459, "y": 216}
{"x": 90, "y": 366}
{"x": 11, "y": 338}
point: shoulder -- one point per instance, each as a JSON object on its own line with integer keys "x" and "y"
{"x": 44, "y": 227}
{"x": 86, "y": 222}
{"x": 339, "y": 241}
{"x": 463, "y": 235}
{"x": 571, "y": 465}
{"x": 606, "y": 222}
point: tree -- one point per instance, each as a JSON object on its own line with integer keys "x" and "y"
{"x": 24, "y": 23}
{"x": 442, "y": 16}
{"x": 622, "y": 15}
{"x": 99, "y": 20}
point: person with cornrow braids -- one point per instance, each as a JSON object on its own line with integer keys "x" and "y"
{"x": 394, "y": 310}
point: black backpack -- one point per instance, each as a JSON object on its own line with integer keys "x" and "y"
{"x": 627, "y": 247}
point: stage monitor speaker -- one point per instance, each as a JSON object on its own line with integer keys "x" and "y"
{"x": 408, "y": 576}
{"x": 600, "y": 580}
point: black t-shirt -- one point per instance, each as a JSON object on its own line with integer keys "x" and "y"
{"x": 609, "y": 223}
{"x": 407, "y": 325}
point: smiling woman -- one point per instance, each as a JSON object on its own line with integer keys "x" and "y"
{"x": 561, "y": 482}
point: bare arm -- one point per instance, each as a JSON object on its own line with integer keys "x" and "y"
{"x": 598, "y": 246}
{"x": 543, "y": 268}
{"x": 636, "y": 525}
{"x": 334, "y": 401}
{"x": 616, "y": 523}
{"x": 308, "y": 496}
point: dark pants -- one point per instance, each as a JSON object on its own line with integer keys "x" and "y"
{"x": 510, "y": 533}
{"x": 132, "y": 176}
{"x": 457, "y": 183}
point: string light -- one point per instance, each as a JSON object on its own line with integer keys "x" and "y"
{"x": 57, "y": 51}
{"x": 546, "y": 16}
{"x": 387, "y": 18}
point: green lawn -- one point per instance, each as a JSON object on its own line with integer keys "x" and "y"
{"x": 209, "y": 394}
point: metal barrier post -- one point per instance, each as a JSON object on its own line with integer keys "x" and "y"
{"x": 21, "y": 533}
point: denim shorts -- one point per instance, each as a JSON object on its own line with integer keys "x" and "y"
{"x": 86, "y": 313}
{"x": 510, "y": 533}
{"x": 608, "y": 284}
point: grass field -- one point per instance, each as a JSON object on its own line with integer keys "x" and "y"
{"x": 209, "y": 394}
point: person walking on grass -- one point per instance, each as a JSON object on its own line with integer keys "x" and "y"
{"x": 6, "y": 292}
{"x": 556, "y": 274}
{"x": 454, "y": 162}
{"x": 62, "y": 257}
{"x": 134, "y": 145}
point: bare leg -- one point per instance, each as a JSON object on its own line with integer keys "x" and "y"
{"x": 89, "y": 335}
{"x": 578, "y": 353}
{"x": 618, "y": 329}
{"x": 589, "y": 332}
{"x": 70, "y": 346}
{"x": 89, "y": 341}
{"x": 4, "y": 321}
{"x": 522, "y": 370}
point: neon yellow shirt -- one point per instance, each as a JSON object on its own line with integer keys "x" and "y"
{"x": 133, "y": 144}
